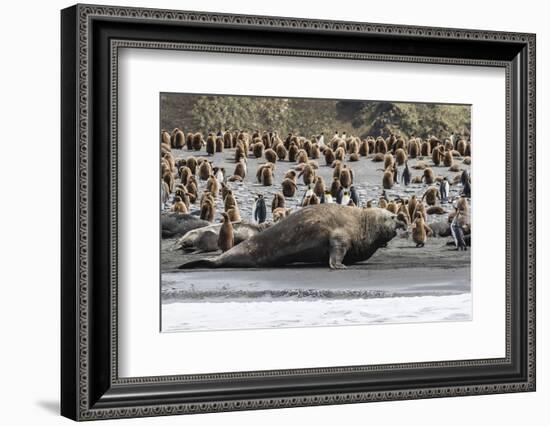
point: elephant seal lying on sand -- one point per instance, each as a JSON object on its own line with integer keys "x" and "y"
{"x": 206, "y": 238}
{"x": 322, "y": 233}
{"x": 176, "y": 224}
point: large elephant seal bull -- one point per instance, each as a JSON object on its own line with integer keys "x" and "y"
{"x": 323, "y": 233}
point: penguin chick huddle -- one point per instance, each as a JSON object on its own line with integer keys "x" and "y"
{"x": 240, "y": 176}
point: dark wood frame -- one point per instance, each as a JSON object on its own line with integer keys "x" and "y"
{"x": 90, "y": 386}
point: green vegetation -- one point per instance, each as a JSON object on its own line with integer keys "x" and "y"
{"x": 312, "y": 116}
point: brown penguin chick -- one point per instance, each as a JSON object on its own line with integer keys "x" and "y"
{"x": 184, "y": 173}
{"x": 234, "y": 214}
{"x": 400, "y": 156}
{"x": 313, "y": 199}
{"x": 207, "y": 196}
{"x": 431, "y": 195}
{"x": 340, "y": 153}
{"x": 448, "y": 159}
{"x": 270, "y": 155}
{"x": 414, "y": 149}
{"x": 240, "y": 153}
{"x": 411, "y": 206}
{"x": 382, "y": 203}
{"x": 291, "y": 174}
{"x": 278, "y": 201}
{"x": 315, "y": 151}
{"x": 402, "y": 217}
{"x": 404, "y": 210}
{"x": 260, "y": 170}
{"x": 420, "y": 231}
{"x": 179, "y": 140}
{"x": 420, "y": 165}
{"x": 428, "y": 176}
{"x": 319, "y": 188}
{"x": 353, "y": 147}
{"x": 229, "y": 200}
{"x": 192, "y": 189}
{"x": 281, "y": 152}
{"x": 210, "y": 144}
{"x": 302, "y": 156}
{"x": 179, "y": 206}
{"x": 380, "y": 146}
{"x": 388, "y": 160}
{"x": 207, "y": 210}
{"x": 392, "y": 207}
{"x": 267, "y": 176}
{"x": 364, "y": 148}
{"x": 345, "y": 177}
{"x": 266, "y": 140}
{"x": 235, "y": 178}
{"x": 425, "y": 150}
{"x": 280, "y": 213}
{"x": 335, "y": 187}
{"x": 378, "y": 157}
{"x": 420, "y": 208}
{"x": 226, "y": 240}
{"x": 189, "y": 141}
{"x": 184, "y": 197}
{"x": 258, "y": 149}
{"x": 354, "y": 156}
{"x": 369, "y": 204}
{"x": 417, "y": 179}
{"x": 436, "y": 156}
{"x": 307, "y": 174}
{"x": 165, "y": 138}
{"x": 435, "y": 210}
{"x": 212, "y": 186}
{"x": 467, "y": 160}
{"x": 192, "y": 164}
{"x": 169, "y": 179}
{"x": 227, "y": 140}
{"x": 454, "y": 168}
{"x": 197, "y": 141}
{"x": 433, "y": 142}
{"x": 169, "y": 158}
{"x": 387, "y": 178}
{"x": 337, "y": 165}
{"x": 292, "y": 152}
{"x": 288, "y": 187}
{"x": 448, "y": 145}
{"x": 307, "y": 147}
{"x": 205, "y": 170}
{"x": 329, "y": 156}
{"x": 240, "y": 168}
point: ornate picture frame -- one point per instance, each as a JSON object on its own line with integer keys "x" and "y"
{"x": 91, "y": 386}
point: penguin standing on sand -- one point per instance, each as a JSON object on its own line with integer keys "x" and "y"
{"x": 457, "y": 232}
{"x": 326, "y": 197}
{"x": 347, "y": 195}
{"x": 444, "y": 190}
{"x": 308, "y": 193}
{"x": 260, "y": 211}
{"x": 406, "y": 176}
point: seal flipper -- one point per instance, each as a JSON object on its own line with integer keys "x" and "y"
{"x": 201, "y": 263}
{"x": 338, "y": 246}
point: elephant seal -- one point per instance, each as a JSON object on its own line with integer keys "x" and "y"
{"x": 205, "y": 239}
{"x": 322, "y": 233}
{"x": 175, "y": 224}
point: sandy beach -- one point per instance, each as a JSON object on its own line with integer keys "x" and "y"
{"x": 400, "y": 283}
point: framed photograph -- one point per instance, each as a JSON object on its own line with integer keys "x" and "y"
{"x": 263, "y": 212}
